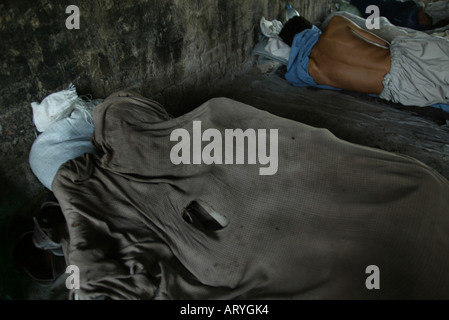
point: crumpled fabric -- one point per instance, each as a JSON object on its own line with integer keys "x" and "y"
{"x": 54, "y": 107}
{"x": 65, "y": 123}
{"x": 438, "y": 10}
{"x": 278, "y": 48}
{"x": 60, "y": 105}
{"x": 270, "y": 29}
{"x": 275, "y": 46}
{"x": 308, "y": 232}
{"x": 419, "y": 72}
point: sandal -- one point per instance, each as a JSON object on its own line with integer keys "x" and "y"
{"x": 48, "y": 223}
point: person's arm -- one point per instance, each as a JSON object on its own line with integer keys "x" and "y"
{"x": 359, "y": 32}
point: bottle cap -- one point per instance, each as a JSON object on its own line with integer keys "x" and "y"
{"x": 288, "y": 6}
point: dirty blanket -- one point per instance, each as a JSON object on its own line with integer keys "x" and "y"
{"x": 310, "y": 231}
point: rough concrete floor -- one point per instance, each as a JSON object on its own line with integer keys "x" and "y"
{"x": 422, "y": 133}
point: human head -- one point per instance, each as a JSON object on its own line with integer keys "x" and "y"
{"x": 292, "y": 27}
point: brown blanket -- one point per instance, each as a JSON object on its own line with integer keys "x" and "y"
{"x": 307, "y": 232}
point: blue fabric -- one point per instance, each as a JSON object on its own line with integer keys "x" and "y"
{"x": 442, "y": 106}
{"x": 298, "y": 64}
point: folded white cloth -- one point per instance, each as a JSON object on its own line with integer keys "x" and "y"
{"x": 275, "y": 46}
{"x": 270, "y": 29}
{"x": 66, "y": 125}
{"x": 278, "y": 48}
{"x": 64, "y": 140}
{"x": 60, "y": 105}
{"x": 53, "y": 108}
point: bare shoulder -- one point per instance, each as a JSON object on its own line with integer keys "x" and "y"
{"x": 339, "y": 22}
{"x": 343, "y": 28}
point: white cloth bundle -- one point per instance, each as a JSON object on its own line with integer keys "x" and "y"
{"x": 54, "y": 107}
{"x": 275, "y": 46}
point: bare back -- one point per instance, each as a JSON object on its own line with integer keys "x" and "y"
{"x": 345, "y": 57}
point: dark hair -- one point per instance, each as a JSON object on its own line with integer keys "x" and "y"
{"x": 292, "y": 27}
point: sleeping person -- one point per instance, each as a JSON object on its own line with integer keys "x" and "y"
{"x": 139, "y": 225}
{"x": 412, "y": 70}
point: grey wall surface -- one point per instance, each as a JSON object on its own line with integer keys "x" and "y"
{"x": 174, "y": 51}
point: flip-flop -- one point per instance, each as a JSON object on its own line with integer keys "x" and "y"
{"x": 48, "y": 225}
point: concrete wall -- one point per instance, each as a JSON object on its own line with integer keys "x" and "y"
{"x": 175, "y": 51}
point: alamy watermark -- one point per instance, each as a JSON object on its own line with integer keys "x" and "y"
{"x": 189, "y": 149}
{"x": 373, "y": 21}
{"x": 73, "y": 280}
{"x": 373, "y": 280}
{"x": 72, "y": 21}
